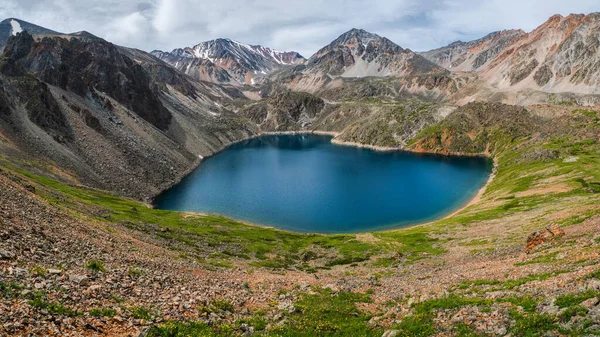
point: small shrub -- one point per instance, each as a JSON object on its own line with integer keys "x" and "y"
{"x": 38, "y": 270}
{"x": 135, "y": 272}
{"x": 217, "y": 305}
{"x": 96, "y": 265}
{"x": 139, "y": 312}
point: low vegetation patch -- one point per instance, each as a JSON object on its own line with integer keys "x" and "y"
{"x": 40, "y": 301}
{"x": 96, "y": 266}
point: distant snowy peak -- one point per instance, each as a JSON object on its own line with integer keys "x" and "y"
{"x": 241, "y": 61}
{"x": 220, "y": 49}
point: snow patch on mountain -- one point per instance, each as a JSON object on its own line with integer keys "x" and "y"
{"x": 16, "y": 27}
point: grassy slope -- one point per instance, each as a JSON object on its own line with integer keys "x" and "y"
{"x": 220, "y": 243}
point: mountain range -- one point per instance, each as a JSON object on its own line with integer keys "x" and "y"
{"x": 64, "y": 94}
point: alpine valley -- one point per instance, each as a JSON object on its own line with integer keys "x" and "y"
{"x": 91, "y": 132}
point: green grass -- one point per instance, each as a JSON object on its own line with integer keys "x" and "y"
{"x": 569, "y": 300}
{"x": 98, "y": 312}
{"x": 573, "y": 311}
{"x": 322, "y": 313}
{"x": 38, "y": 270}
{"x": 540, "y": 259}
{"x": 421, "y": 323}
{"x": 140, "y": 312}
{"x": 531, "y": 324}
{"x": 594, "y": 274}
{"x": 493, "y": 285}
{"x": 217, "y": 305}
{"x": 10, "y": 289}
{"x": 96, "y": 266}
{"x": 325, "y": 313}
{"x": 189, "y": 329}
{"x": 40, "y": 301}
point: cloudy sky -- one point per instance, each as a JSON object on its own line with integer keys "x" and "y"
{"x": 303, "y": 26}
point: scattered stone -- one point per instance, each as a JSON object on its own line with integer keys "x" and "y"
{"x": 547, "y": 307}
{"x": 390, "y": 333}
{"x": 54, "y": 271}
{"x": 593, "y": 284}
{"x": 94, "y": 287}
{"x": 79, "y": 279}
{"x": 6, "y": 255}
{"x": 501, "y": 331}
{"x": 20, "y": 272}
{"x": 287, "y": 307}
{"x": 590, "y": 302}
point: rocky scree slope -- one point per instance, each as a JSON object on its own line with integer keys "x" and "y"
{"x": 472, "y": 55}
{"x": 375, "y": 122}
{"x": 228, "y": 61}
{"x": 108, "y": 116}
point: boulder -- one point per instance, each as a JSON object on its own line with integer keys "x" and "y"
{"x": 81, "y": 280}
{"x": 539, "y": 237}
{"x": 6, "y": 255}
{"x": 590, "y": 302}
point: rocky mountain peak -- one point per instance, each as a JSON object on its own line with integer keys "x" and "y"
{"x": 227, "y": 60}
{"x": 360, "y": 38}
{"x": 358, "y": 53}
{"x": 355, "y": 34}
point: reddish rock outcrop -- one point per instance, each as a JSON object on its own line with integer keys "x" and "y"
{"x": 539, "y": 237}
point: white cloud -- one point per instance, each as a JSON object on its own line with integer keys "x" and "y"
{"x": 304, "y": 26}
{"x": 132, "y": 29}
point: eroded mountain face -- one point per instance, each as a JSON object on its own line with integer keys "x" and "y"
{"x": 561, "y": 55}
{"x": 472, "y": 55}
{"x": 113, "y": 116}
{"x": 83, "y": 64}
{"x": 228, "y": 61}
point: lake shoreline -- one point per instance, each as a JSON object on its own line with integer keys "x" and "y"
{"x": 334, "y": 140}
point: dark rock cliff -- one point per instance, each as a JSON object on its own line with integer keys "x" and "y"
{"x": 82, "y": 65}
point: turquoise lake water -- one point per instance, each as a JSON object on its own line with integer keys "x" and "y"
{"x": 305, "y": 183}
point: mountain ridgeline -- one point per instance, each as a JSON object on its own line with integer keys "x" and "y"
{"x": 561, "y": 55}
{"x": 228, "y": 61}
